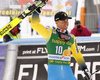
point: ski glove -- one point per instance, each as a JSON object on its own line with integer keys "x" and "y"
{"x": 87, "y": 75}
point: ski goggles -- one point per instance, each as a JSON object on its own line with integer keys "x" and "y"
{"x": 66, "y": 37}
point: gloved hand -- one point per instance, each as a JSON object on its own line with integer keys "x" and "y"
{"x": 87, "y": 75}
{"x": 39, "y": 4}
{"x": 38, "y": 10}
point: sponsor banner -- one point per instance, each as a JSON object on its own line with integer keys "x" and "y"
{"x": 53, "y": 6}
{"x": 16, "y": 7}
{"x": 34, "y": 67}
{"x": 10, "y": 12}
{"x": 59, "y": 57}
{"x": 31, "y": 69}
{"x": 31, "y": 63}
{"x": 32, "y": 50}
{"x": 89, "y": 47}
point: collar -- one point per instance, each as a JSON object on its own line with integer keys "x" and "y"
{"x": 61, "y": 30}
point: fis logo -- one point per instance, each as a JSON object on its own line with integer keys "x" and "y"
{"x": 12, "y": 50}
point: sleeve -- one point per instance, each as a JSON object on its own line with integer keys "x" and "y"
{"x": 78, "y": 55}
{"x": 73, "y": 31}
{"x": 87, "y": 32}
{"x": 39, "y": 27}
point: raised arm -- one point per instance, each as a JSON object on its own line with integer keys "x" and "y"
{"x": 39, "y": 27}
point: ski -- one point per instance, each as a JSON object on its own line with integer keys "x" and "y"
{"x": 17, "y": 20}
{"x": 91, "y": 75}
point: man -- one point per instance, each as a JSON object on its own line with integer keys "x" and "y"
{"x": 13, "y": 34}
{"x": 80, "y": 30}
{"x": 60, "y": 43}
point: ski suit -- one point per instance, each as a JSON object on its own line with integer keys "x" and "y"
{"x": 59, "y": 52}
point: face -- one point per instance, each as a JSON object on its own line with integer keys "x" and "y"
{"x": 62, "y": 24}
{"x": 77, "y": 25}
{"x": 15, "y": 28}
